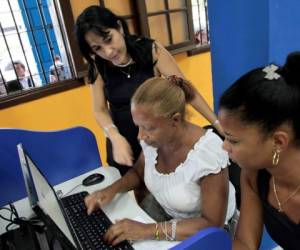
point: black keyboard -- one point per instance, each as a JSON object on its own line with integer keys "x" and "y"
{"x": 89, "y": 228}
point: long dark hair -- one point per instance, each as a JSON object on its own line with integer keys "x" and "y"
{"x": 98, "y": 19}
{"x": 255, "y": 99}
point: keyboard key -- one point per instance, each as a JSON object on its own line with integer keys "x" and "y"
{"x": 89, "y": 228}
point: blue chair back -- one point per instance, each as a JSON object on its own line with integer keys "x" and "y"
{"x": 211, "y": 238}
{"x": 267, "y": 242}
{"x": 61, "y": 155}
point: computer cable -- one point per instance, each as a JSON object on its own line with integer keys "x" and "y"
{"x": 23, "y": 237}
{"x": 71, "y": 190}
{"x": 13, "y": 215}
{"x": 15, "y": 219}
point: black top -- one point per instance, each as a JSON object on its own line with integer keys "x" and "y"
{"x": 118, "y": 90}
{"x": 282, "y": 230}
{"x": 13, "y": 86}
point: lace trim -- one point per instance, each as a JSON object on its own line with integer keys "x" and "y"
{"x": 189, "y": 155}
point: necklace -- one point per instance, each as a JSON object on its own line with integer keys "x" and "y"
{"x": 127, "y": 74}
{"x": 281, "y": 203}
{"x": 123, "y": 65}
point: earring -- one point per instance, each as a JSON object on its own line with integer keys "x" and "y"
{"x": 275, "y": 159}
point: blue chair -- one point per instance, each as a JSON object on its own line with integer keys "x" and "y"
{"x": 211, "y": 238}
{"x": 267, "y": 242}
{"x": 61, "y": 155}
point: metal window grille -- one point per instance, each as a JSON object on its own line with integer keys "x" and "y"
{"x": 31, "y": 35}
{"x": 200, "y": 20}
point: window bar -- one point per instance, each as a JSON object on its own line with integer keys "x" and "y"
{"x": 169, "y": 22}
{"x": 40, "y": 10}
{"x": 1, "y": 76}
{"x": 159, "y": 12}
{"x": 143, "y": 20}
{"x": 64, "y": 38}
{"x": 7, "y": 47}
{"x": 21, "y": 43}
{"x": 34, "y": 41}
{"x": 199, "y": 19}
{"x": 206, "y": 19}
{"x": 2, "y": 80}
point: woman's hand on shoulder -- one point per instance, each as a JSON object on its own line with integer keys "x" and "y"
{"x": 122, "y": 151}
{"x": 165, "y": 63}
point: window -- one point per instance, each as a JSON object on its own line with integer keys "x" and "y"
{"x": 171, "y": 22}
{"x": 35, "y": 50}
{"x": 31, "y": 37}
{"x": 36, "y": 32}
{"x": 201, "y": 27}
{"x": 200, "y": 21}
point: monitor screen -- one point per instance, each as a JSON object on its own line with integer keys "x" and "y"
{"x": 30, "y": 188}
{"x": 46, "y": 197}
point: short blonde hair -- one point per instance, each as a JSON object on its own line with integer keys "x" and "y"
{"x": 164, "y": 96}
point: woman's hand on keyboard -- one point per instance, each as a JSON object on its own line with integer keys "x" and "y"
{"x": 127, "y": 229}
{"x": 99, "y": 199}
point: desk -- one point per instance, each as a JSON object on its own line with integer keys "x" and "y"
{"x": 123, "y": 205}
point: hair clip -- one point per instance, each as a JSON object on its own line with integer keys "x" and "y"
{"x": 176, "y": 80}
{"x": 271, "y": 72}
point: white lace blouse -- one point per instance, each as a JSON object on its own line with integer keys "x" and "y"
{"x": 179, "y": 192}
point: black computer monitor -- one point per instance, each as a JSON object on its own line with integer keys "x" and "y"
{"x": 44, "y": 201}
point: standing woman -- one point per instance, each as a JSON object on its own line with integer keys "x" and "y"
{"x": 118, "y": 63}
{"x": 260, "y": 117}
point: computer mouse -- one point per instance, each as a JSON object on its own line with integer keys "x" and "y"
{"x": 93, "y": 179}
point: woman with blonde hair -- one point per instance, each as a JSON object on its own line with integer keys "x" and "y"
{"x": 183, "y": 166}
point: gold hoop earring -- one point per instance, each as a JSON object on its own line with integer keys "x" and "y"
{"x": 275, "y": 159}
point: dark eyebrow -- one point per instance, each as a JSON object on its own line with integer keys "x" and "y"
{"x": 93, "y": 47}
{"x": 227, "y": 134}
{"x": 107, "y": 36}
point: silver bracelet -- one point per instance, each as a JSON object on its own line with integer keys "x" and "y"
{"x": 107, "y": 128}
{"x": 165, "y": 231}
{"x": 174, "y": 224}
